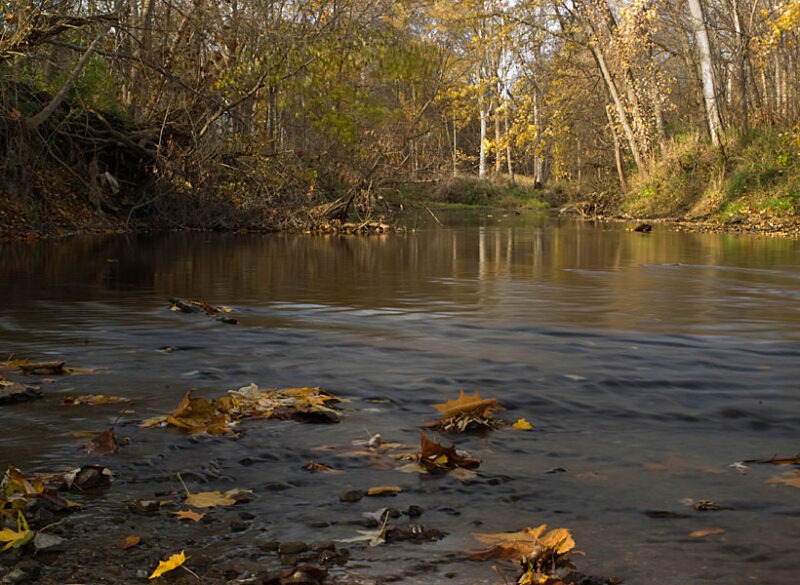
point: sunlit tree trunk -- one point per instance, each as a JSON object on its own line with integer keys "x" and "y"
{"x": 704, "y": 56}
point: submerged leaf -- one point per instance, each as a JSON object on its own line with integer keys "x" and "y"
{"x": 129, "y": 541}
{"x": 790, "y": 478}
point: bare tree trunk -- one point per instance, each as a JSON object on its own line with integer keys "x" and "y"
{"x": 622, "y": 115}
{"x": 455, "y": 149}
{"x": 713, "y": 116}
{"x": 498, "y": 157}
{"x": 623, "y": 183}
{"x": 507, "y": 125}
{"x": 484, "y": 114}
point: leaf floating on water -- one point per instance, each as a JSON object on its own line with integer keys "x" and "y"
{"x": 209, "y": 499}
{"x": 315, "y": 467}
{"x": 542, "y": 554}
{"x": 106, "y": 442}
{"x": 790, "y": 478}
{"x": 189, "y": 515}
{"x": 436, "y": 457}
{"x": 467, "y": 412}
{"x": 523, "y": 425}
{"x": 170, "y": 564}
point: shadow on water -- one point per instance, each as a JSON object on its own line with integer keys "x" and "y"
{"x": 648, "y": 363}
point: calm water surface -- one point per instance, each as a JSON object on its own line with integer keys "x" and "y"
{"x": 648, "y": 363}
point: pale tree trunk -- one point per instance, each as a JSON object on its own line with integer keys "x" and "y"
{"x": 498, "y": 157}
{"x": 455, "y": 149}
{"x": 507, "y": 125}
{"x": 622, "y": 115}
{"x": 742, "y": 49}
{"x": 484, "y": 115}
{"x": 623, "y": 183}
{"x": 713, "y": 116}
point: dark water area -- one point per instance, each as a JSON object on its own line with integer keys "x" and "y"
{"x": 647, "y": 363}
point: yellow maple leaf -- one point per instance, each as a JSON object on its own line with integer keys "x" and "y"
{"x": 522, "y": 425}
{"x": 19, "y": 537}
{"x": 171, "y": 563}
{"x": 209, "y": 499}
{"x": 523, "y": 544}
{"x": 467, "y": 404}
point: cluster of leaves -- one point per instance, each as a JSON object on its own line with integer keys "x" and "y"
{"x": 218, "y": 416}
{"x": 33, "y": 501}
{"x": 543, "y": 554}
{"x": 467, "y": 413}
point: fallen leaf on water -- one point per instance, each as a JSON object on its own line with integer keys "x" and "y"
{"x": 522, "y": 425}
{"x": 384, "y": 490}
{"x": 436, "y": 457}
{"x": 209, "y": 499}
{"x": 706, "y": 532}
{"x": 129, "y": 541}
{"x": 189, "y": 515}
{"x": 170, "y": 564}
{"x": 315, "y": 467}
{"x": 467, "y": 412}
{"x": 521, "y": 544}
{"x": 214, "y": 498}
{"x": 542, "y": 554}
{"x": 106, "y": 442}
{"x": 790, "y": 478}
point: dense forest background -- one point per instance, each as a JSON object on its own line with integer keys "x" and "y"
{"x": 232, "y": 112}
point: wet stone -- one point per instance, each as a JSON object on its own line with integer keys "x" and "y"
{"x": 351, "y": 496}
{"x": 292, "y": 547}
{"x": 415, "y": 511}
{"x": 239, "y": 526}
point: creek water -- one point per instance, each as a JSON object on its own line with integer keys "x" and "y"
{"x": 647, "y": 363}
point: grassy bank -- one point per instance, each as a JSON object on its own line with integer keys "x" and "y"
{"x": 756, "y": 174}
